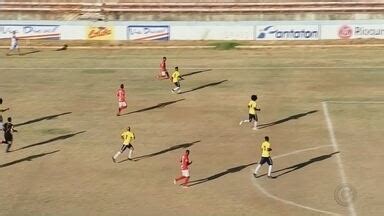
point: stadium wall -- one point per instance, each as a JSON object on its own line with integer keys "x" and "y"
{"x": 178, "y": 30}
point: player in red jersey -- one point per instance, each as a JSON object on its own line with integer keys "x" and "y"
{"x": 184, "y": 169}
{"x": 121, "y": 99}
{"x": 163, "y": 73}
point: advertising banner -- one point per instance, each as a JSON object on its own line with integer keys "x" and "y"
{"x": 353, "y": 31}
{"x": 212, "y": 32}
{"x": 100, "y": 33}
{"x": 287, "y": 32}
{"x": 31, "y": 31}
{"x": 148, "y": 32}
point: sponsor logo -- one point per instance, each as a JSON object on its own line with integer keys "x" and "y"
{"x": 100, "y": 33}
{"x": 288, "y": 33}
{"x": 345, "y": 32}
{"x": 361, "y": 31}
{"x": 31, "y": 31}
{"x": 148, "y": 32}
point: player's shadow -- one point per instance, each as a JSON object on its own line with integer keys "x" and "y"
{"x": 29, "y": 158}
{"x": 302, "y": 165}
{"x": 218, "y": 175}
{"x": 62, "y": 137}
{"x": 172, "y": 148}
{"x": 43, "y": 118}
{"x": 292, "y": 117}
{"x": 195, "y": 72}
{"x": 29, "y": 52}
{"x": 204, "y": 86}
{"x": 160, "y": 105}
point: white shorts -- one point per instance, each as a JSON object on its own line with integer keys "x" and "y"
{"x": 185, "y": 173}
{"x": 122, "y": 104}
{"x": 14, "y": 46}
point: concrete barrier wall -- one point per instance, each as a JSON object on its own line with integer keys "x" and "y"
{"x": 147, "y": 30}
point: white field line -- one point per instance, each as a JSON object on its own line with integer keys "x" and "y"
{"x": 187, "y": 68}
{"x": 288, "y": 202}
{"x": 351, "y": 207}
{"x": 355, "y": 102}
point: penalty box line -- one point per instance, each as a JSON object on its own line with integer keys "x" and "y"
{"x": 335, "y": 145}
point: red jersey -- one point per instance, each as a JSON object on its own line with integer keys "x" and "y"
{"x": 163, "y": 66}
{"x": 121, "y": 95}
{"x": 184, "y": 162}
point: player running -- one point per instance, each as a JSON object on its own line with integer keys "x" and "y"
{"x": 1, "y": 117}
{"x": 184, "y": 170}
{"x": 8, "y": 134}
{"x": 14, "y": 44}
{"x": 127, "y": 137}
{"x": 121, "y": 99}
{"x": 252, "y": 106}
{"x": 265, "y": 157}
{"x": 176, "y": 77}
{"x": 163, "y": 74}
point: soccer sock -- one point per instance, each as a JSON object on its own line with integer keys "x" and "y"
{"x": 130, "y": 153}
{"x": 255, "y": 124}
{"x": 246, "y": 120}
{"x": 186, "y": 181}
{"x": 257, "y": 168}
{"x": 269, "y": 170}
{"x": 117, "y": 155}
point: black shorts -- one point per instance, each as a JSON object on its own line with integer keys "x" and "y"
{"x": 252, "y": 117}
{"x": 266, "y": 159}
{"x": 177, "y": 84}
{"x": 124, "y": 147}
{"x": 8, "y": 137}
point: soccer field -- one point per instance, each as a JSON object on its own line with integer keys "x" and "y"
{"x": 323, "y": 109}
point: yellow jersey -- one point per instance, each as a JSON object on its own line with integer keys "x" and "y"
{"x": 175, "y": 76}
{"x": 264, "y": 149}
{"x": 127, "y": 136}
{"x": 252, "y": 107}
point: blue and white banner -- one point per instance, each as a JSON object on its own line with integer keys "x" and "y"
{"x": 287, "y": 32}
{"x": 30, "y": 31}
{"x": 148, "y": 32}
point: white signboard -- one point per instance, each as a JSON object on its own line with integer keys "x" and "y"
{"x": 352, "y": 31}
{"x": 30, "y": 31}
{"x": 147, "y": 32}
{"x": 212, "y": 32}
{"x": 287, "y": 32}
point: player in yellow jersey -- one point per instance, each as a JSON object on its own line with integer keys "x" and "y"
{"x": 265, "y": 157}
{"x": 176, "y": 77}
{"x": 252, "y": 106}
{"x": 127, "y": 137}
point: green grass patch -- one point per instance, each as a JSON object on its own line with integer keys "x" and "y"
{"x": 225, "y": 45}
{"x": 55, "y": 131}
